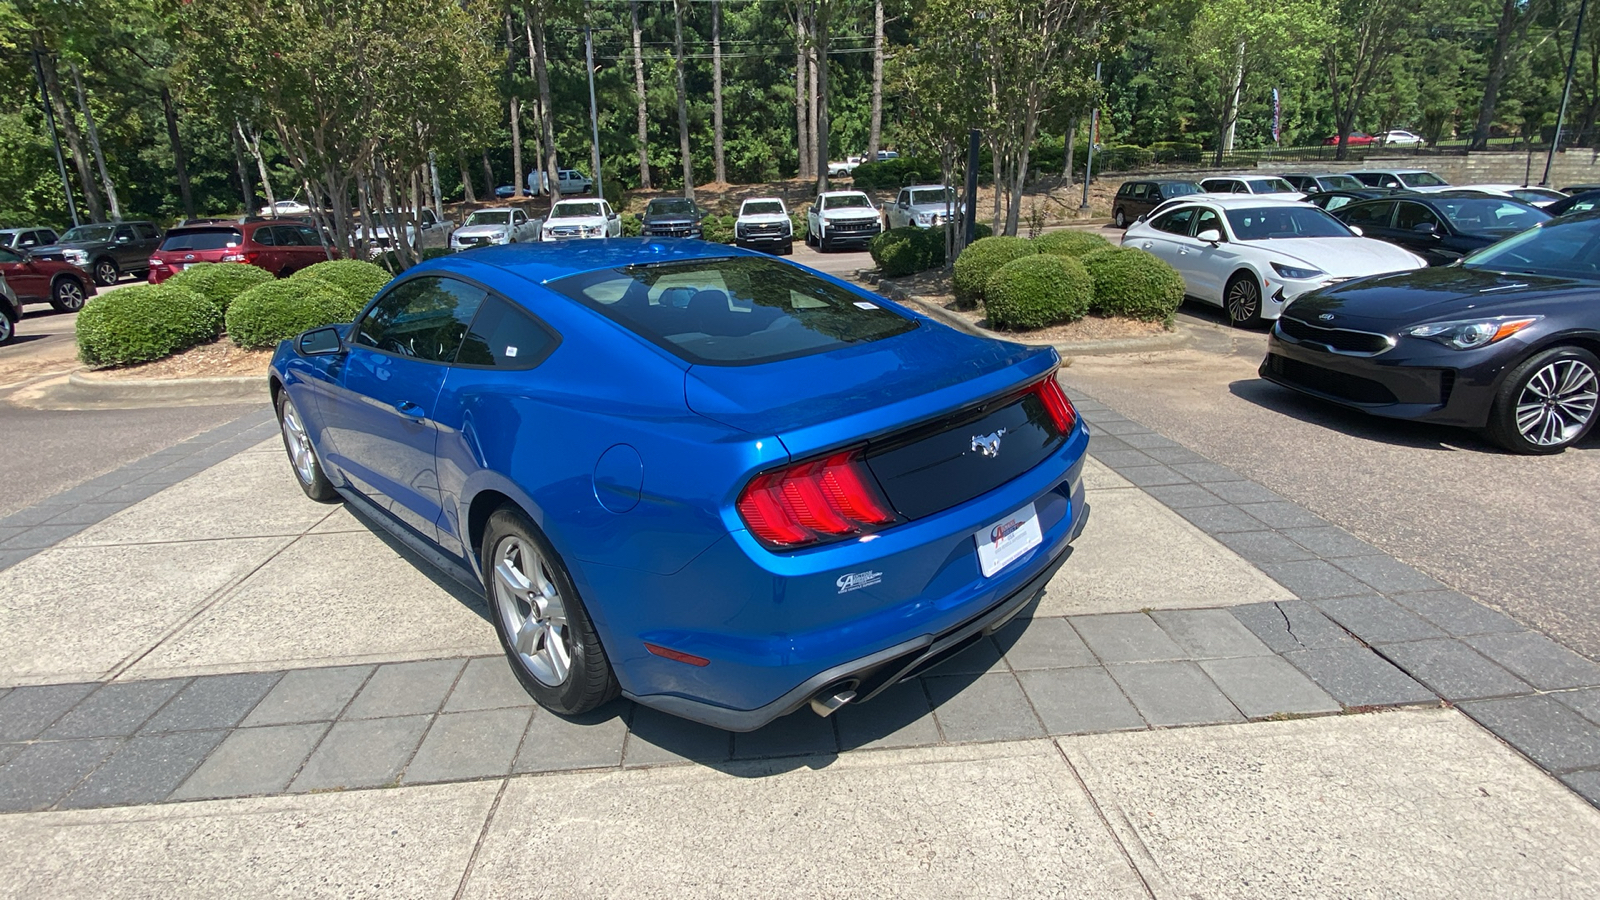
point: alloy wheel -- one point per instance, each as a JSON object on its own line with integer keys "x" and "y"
{"x": 1244, "y": 300}
{"x": 8, "y": 329}
{"x": 532, "y": 610}
{"x": 1557, "y": 402}
{"x": 69, "y": 295}
{"x": 105, "y": 272}
{"x": 301, "y": 456}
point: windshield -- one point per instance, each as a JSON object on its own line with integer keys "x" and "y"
{"x": 1274, "y": 222}
{"x": 574, "y": 210}
{"x": 846, "y": 201}
{"x": 87, "y": 233}
{"x": 669, "y": 207}
{"x": 1339, "y": 183}
{"x": 735, "y": 311}
{"x": 1270, "y": 186}
{"x": 940, "y": 196}
{"x": 1420, "y": 179}
{"x": 1478, "y": 214}
{"x": 203, "y": 239}
{"x": 763, "y": 208}
{"x": 1565, "y": 248}
{"x": 496, "y": 217}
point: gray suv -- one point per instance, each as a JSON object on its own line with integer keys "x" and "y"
{"x": 107, "y": 250}
{"x": 27, "y": 238}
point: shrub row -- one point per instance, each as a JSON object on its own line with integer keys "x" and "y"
{"x": 1061, "y": 276}
{"x": 142, "y": 323}
{"x": 892, "y": 174}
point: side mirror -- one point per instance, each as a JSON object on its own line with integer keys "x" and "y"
{"x": 1211, "y": 236}
{"x": 1427, "y": 228}
{"x": 1356, "y": 230}
{"x": 319, "y": 342}
{"x": 614, "y": 216}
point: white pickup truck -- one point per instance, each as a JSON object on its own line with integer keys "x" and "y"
{"x": 764, "y": 224}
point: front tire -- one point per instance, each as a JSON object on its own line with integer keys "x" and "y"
{"x": 66, "y": 295}
{"x": 303, "y": 460}
{"x": 1547, "y": 403}
{"x": 106, "y": 272}
{"x": 8, "y": 329}
{"x": 547, "y": 635}
{"x": 1242, "y": 300}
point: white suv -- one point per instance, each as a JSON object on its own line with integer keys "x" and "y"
{"x": 764, "y": 224}
{"x": 842, "y": 217}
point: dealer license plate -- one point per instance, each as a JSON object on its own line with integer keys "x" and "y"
{"x": 1000, "y": 544}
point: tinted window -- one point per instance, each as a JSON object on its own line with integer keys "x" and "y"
{"x": 846, "y": 201}
{"x": 936, "y": 195}
{"x": 565, "y": 210}
{"x": 7, "y": 239}
{"x": 1472, "y": 215}
{"x": 504, "y": 337}
{"x": 309, "y": 236}
{"x": 1563, "y": 248}
{"x": 145, "y": 231}
{"x": 1339, "y": 183}
{"x": 1140, "y": 191}
{"x": 87, "y": 234}
{"x": 1273, "y": 222}
{"x": 1371, "y": 179}
{"x": 1421, "y": 179}
{"x": 1208, "y": 219}
{"x": 763, "y": 208}
{"x": 266, "y": 237}
{"x": 1175, "y": 222}
{"x": 1410, "y": 215}
{"x": 203, "y": 239}
{"x": 1367, "y": 215}
{"x": 424, "y": 318}
{"x": 1175, "y": 189}
{"x": 1126, "y": 189}
{"x": 287, "y": 236}
{"x": 123, "y": 233}
{"x": 737, "y": 311}
{"x": 666, "y": 207}
{"x": 8, "y": 256}
{"x": 1270, "y": 186}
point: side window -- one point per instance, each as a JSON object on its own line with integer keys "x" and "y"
{"x": 1175, "y": 222}
{"x": 518, "y": 218}
{"x": 1208, "y": 218}
{"x": 504, "y": 337}
{"x": 1336, "y": 202}
{"x": 1368, "y": 215}
{"x": 29, "y": 239}
{"x": 146, "y": 231}
{"x": 287, "y": 236}
{"x": 427, "y": 217}
{"x": 308, "y": 236}
{"x": 904, "y": 199}
{"x": 123, "y": 233}
{"x": 8, "y": 256}
{"x": 265, "y": 237}
{"x": 423, "y": 318}
{"x": 1410, "y": 215}
{"x": 1141, "y": 191}
{"x": 1125, "y": 191}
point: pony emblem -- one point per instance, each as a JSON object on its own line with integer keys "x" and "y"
{"x": 988, "y": 444}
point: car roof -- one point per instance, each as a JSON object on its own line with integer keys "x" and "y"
{"x": 544, "y": 262}
{"x": 501, "y": 208}
{"x": 565, "y": 200}
{"x": 926, "y": 187}
{"x": 843, "y": 194}
{"x": 1236, "y": 201}
{"x": 1389, "y": 172}
{"x": 760, "y": 199}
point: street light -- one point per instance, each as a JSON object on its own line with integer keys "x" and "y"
{"x": 594, "y": 112}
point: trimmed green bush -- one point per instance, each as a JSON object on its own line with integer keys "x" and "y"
{"x": 1037, "y": 291}
{"x": 1070, "y": 243}
{"x": 1130, "y": 282}
{"x": 220, "y": 282}
{"x": 1121, "y": 158}
{"x": 144, "y": 322}
{"x": 632, "y": 225}
{"x": 1175, "y": 151}
{"x": 980, "y": 260}
{"x": 802, "y": 225}
{"x": 981, "y": 231}
{"x": 896, "y": 252}
{"x": 269, "y": 313}
{"x": 892, "y": 174}
{"x": 718, "y": 229}
{"x": 357, "y": 279}
{"x": 434, "y": 253}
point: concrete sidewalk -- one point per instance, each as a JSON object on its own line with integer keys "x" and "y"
{"x": 199, "y": 686}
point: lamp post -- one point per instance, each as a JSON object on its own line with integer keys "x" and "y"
{"x": 1566, "y": 93}
{"x": 594, "y": 112}
{"x": 50, "y": 118}
{"x": 1094, "y": 132}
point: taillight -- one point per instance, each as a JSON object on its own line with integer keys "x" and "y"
{"x": 814, "y": 502}
{"x": 235, "y": 257}
{"x": 1057, "y": 404}
{"x": 156, "y": 263}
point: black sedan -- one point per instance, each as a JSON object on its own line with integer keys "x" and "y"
{"x": 1441, "y": 229}
{"x": 1339, "y": 199}
{"x": 1505, "y": 342}
{"x": 1577, "y": 203}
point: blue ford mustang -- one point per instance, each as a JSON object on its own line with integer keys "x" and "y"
{"x": 718, "y": 483}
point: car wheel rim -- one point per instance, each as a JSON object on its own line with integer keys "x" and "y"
{"x": 5, "y": 328}
{"x": 301, "y": 456}
{"x": 1243, "y": 298}
{"x": 532, "y": 610}
{"x": 71, "y": 296}
{"x": 106, "y": 272}
{"x": 1556, "y": 403}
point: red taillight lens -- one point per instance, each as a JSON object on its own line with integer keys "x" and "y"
{"x": 811, "y": 502}
{"x": 1057, "y": 404}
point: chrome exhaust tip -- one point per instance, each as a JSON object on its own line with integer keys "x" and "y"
{"x": 826, "y": 704}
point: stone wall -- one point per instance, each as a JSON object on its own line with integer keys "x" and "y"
{"x": 1579, "y": 166}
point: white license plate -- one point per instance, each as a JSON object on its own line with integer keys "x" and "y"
{"x": 1000, "y": 544}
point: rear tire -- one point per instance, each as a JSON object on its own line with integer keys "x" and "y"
{"x": 1242, "y": 301}
{"x": 67, "y": 295}
{"x": 106, "y": 271}
{"x": 1121, "y": 219}
{"x": 546, "y": 632}
{"x": 1547, "y": 403}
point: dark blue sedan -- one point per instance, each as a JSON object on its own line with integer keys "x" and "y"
{"x": 717, "y": 483}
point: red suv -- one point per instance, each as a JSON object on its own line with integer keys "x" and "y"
{"x": 281, "y": 248}
{"x": 35, "y": 280}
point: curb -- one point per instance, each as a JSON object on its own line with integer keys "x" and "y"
{"x": 81, "y": 390}
{"x": 1170, "y": 340}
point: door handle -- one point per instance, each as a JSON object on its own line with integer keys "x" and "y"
{"x": 409, "y": 410}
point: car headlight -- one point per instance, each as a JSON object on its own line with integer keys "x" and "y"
{"x": 591, "y": 229}
{"x": 497, "y": 236}
{"x": 924, "y": 218}
{"x": 75, "y": 256}
{"x": 1470, "y": 334}
{"x": 1285, "y": 270}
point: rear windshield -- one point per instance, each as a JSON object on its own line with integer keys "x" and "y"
{"x": 737, "y": 311}
{"x": 202, "y": 239}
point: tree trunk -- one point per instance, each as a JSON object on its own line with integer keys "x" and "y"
{"x": 180, "y": 158}
{"x": 247, "y": 188}
{"x": 1511, "y": 12}
{"x": 69, "y": 127}
{"x": 1072, "y": 144}
{"x": 547, "y": 111}
{"x": 817, "y": 170}
{"x": 515, "y": 106}
{"x": 1019, "y": 174}
{"x": 466, "y": 179}
{"x": 1231, "y": 111}
{"x": 802, "y": 106}
{"x": 823, "y": 123}
{"x": 683, "y": 99}
{"x": 252, "y": 142}
{"x": 638, "y": 89}
{"x": 875, "y": 125}
{"x": 488, "y": 177}
{"x": 94, "y": 143}
{"x": 719, "y": 163}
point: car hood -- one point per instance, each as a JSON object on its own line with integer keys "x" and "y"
{"x": 586, "y": 221}
{"x": 482, "y": 230}
{"x": 849, "y": 213}
{"x": 1439, "y": 293}
{"x": 863, "y": 389}
{"x": 1345, "y": 257}
{"x": 763, "y": 219}
{"x": 669, "y": 219}
{"x": 55, "y": 249}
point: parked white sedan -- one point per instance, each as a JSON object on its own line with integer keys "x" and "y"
{"x": 1399, "y": 138}
{"x": 1253, "y": 255}
{"x": 571, "y": 219}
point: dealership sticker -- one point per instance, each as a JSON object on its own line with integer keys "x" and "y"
{"x": 1003, "y": 542}
{"x": 855, "y": 581}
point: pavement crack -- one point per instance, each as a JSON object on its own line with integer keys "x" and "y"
{"x": 1287, "y": 625}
